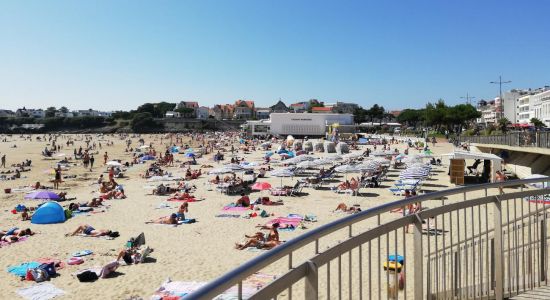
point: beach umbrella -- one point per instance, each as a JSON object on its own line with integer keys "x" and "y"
{"x": 43, "y": 195}
{"x": 233, "y": 167}
{"x": 220, "y": 171}
{"x": 261, "y": 186}
{"x": 334, "y": 157}
{"x": 174, "y": 149}
{"x": 323, "y": 161}
{"x": 307, "y": 164}
{"x": 345, "y": 169}
{"x": 538, "y": 185}
{"x": 352, "y": 155}
{"x": 113, "y": 163}
{"x": 282, "y": 173}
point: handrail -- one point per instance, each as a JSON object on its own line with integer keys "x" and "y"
{"x": 233, "y": 277}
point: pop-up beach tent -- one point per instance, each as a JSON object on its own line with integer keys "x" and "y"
{"x": 49, "y": 213}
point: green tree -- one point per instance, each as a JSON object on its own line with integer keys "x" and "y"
{"x": 64, "y": 109}
{"x": 50, "y": 112}
{"x": 411, "y": 117}
{"x": 144, "y": 122}
{"x": 503, "y": 124}
{"x": 537, "y": 123}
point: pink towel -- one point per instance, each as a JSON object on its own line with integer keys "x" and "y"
{"x": 285, "y": 221}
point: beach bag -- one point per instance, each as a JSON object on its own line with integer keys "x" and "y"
{"x": 68, "y": 214}
{"x": 109, "y": 268}
{"x": 87, "y": 276}
{"x": 39, "y": 275}
{"x": 49, "y": 268}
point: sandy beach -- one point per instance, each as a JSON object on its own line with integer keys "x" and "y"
{"x": 189, "y": 252}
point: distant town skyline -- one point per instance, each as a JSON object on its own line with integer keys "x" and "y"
{"x": 118, "y": 55}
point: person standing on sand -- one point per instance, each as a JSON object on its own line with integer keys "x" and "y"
{"x": 92, "y": 159}
{"x": 57, "y": 178}
{"x": 105, "y": 157}
{"x": 3, "y": 161}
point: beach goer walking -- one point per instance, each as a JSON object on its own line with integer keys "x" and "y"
{"x": 57, "y": 178}
{"x": 3, "y": 161}
{"x": 105, "y": 158}
{"x": 500, "y": 177}
{"x": 92, "y": 159}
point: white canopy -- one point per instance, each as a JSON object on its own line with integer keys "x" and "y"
{"x": 472, "y": 155}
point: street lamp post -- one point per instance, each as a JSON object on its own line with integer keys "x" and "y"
{"x": 500, "y": 82}
{"x": 468, "y": 98}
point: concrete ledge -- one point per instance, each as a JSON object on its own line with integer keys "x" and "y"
{"x": 534, "y": 150}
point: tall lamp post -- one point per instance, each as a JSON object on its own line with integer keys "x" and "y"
{"x": 500, "y": 83}
{"x": 468, "y": 98}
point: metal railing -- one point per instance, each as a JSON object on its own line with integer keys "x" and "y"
{"x": 474, "y": 241}
{"x": 540, "y": 139}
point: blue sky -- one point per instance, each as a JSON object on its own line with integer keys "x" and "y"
{"x": 114, "y": 55}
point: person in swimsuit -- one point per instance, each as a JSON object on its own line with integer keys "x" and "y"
{"x": 90, "y": 231}
{"x": 262, "y": 241}
{"x": 8, "y": 238}
{"x": 170, "y": 220}
{"x": 17, "y": 232}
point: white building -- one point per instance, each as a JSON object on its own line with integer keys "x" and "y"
{"x": 172, "y": 114}
{"x": 523, "y": 110}
{"x": 489, "y": 113}
{"x": 263, "y": 114}
{"x": 304, "y": 124}
{"x": 541, "y": 106}
{"x": 203, "y": 113}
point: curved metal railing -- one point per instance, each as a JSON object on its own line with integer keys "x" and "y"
{"x": 393, "y": 234}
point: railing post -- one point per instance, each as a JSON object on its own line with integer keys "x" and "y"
{"x": 499, "y": 259}
{"x": 543, "y": 249}
{"x": 418, "y": 263}
{"x": 312, "y": 286}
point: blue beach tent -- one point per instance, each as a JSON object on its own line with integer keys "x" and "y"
{"x": 49, "y": 213}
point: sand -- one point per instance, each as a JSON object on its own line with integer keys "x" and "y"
{"x": 194, "y": 252}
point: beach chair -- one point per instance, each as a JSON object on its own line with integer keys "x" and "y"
{"x": 297, "y": 189}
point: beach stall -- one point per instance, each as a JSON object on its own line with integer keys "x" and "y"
{"x": 483, "y": 166}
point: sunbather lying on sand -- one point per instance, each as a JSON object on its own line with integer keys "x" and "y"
{"x": 172, "y": 219}
{"x": 267, "y": 201}
{"x": 17, "y": 232}
{"x": 183, "y": 196}
{"x": 89, "y": 231}
{"x": 344, "y": 208}
{"x": 261, "y": 240}
{"x": 8, "y": 238}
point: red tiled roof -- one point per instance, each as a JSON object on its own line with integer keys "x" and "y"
{"x": 321, "y": 109}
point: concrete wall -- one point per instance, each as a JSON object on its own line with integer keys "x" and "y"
{"x": 181, "y": 124}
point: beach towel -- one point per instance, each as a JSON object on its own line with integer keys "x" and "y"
{"x": 4, "y": 243}
{"x": 227, "y": 216}
{"x": 180, "y": 289}
{"x": 185, "y": 200}
{"x": 235, "y": 208}
{"x": 285, "y": 222}
{"x": 40, "y": 291}
{"x": 48, "y": 260}
{"x": 21, "y": 270}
